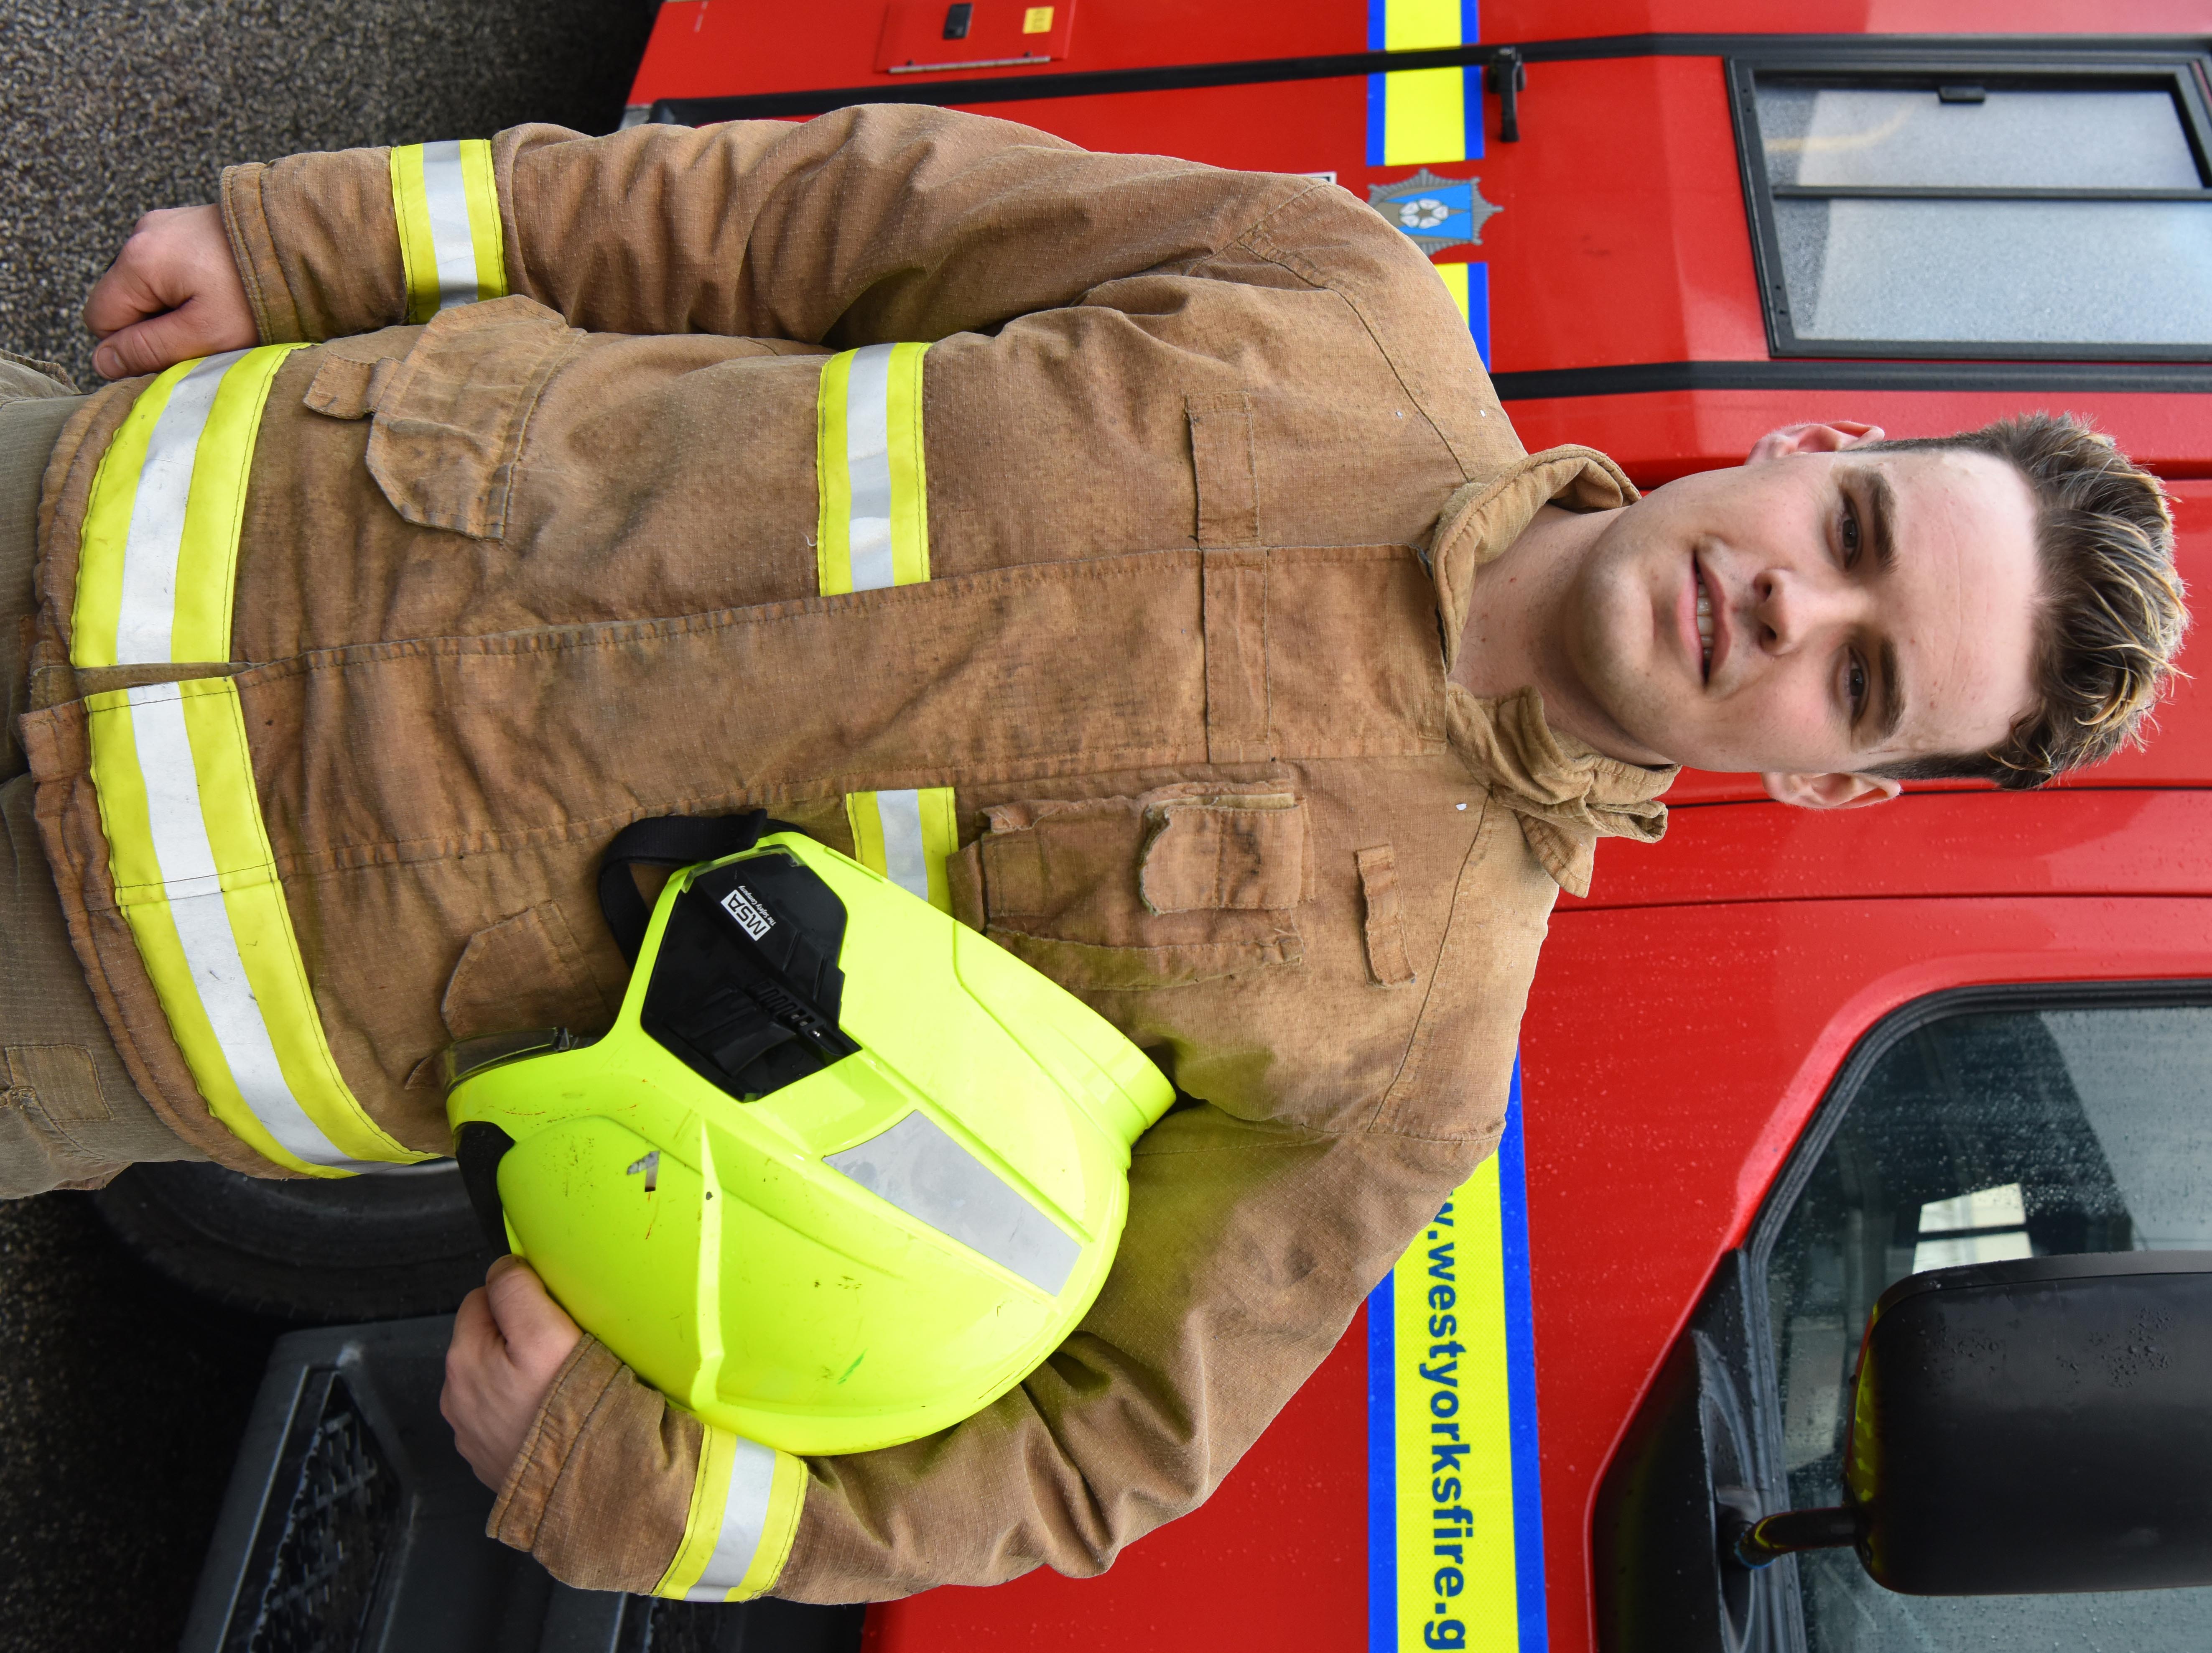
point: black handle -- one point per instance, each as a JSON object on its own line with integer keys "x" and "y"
{"x": 1508, "y": 76}
{"x": 667, "y": 841}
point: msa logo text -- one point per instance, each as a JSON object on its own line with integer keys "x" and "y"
{"x": 752, "y": 918}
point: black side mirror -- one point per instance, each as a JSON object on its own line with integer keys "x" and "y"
{"x": 2027, "y": 1428}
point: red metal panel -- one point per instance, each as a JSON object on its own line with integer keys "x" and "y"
{"x": 1297, "y": 126}
{"x": 721, "y": 48}
{"x": 929, "y": 35}
{"x": 1623, "y": 237}
{"x": 2132, "y": 842}
{"x": 1672, "y": 1056}
{"x": 1276, "y": 1558}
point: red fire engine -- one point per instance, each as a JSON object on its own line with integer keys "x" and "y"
{"x": 1782, "y": 1059}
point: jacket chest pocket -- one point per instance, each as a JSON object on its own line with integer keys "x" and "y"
{"x": 450, "y": 418}
{"x": 1180, "y": 884}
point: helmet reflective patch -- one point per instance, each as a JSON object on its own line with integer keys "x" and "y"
{"x": 918, "y": 1166}
{"x": 752, "y": 918}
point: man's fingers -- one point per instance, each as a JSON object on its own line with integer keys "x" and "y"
{"x": 151, "y": 345}
{"x": 172, "y": 294}
{"x": 155, "y": 271}
{"x": 117, "y": 299}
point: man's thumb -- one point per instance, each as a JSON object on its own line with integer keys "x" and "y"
{"x": 526, "y": 1311}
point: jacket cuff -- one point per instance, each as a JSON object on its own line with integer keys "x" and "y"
{"x": 316, "y": 244}
{"x": 737, "y": 1531}
{"x": 253, "y": 251}
{"x": 615, "y": 1489}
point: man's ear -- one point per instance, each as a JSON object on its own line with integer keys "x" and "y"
{"x": 1830, "y": 438}
{"x": 1829, "y": 791}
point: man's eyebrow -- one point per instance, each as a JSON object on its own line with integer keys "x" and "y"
{"x": 1892, "y": 713}
{"x": 1880, "y": 515}
{"x": 1877, "y": 526}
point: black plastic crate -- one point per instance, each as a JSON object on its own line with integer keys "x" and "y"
{"x": 352, "y": 1526}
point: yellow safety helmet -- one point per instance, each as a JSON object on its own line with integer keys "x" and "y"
{"x": 842, "y": 1173}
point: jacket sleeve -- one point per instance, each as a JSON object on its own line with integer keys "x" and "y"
{"x": 1249, "y": 1247}
{"x": 868, "y": 225}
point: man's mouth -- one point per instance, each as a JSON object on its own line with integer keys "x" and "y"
{"x": 1704, "y": 622}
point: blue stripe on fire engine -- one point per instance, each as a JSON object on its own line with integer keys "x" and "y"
{"x": 1382, "y": 1471}
{"x": 1470, "y": 31}
{"x": 1520, "y": 1352}
{"x": 1473, "y": 142}
{"x": 1478, "y": 326}
{"x": 1455, "y": 1556}
{"x": 1379, "y": 32}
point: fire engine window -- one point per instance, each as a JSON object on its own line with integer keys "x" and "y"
{"x": 1977, "y": 1137}
{"x": 1956, "y": 218}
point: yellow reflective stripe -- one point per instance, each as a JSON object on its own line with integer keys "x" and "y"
{"x": 873, "y": 527}
{"x": 1416, "y": 25}
{"x": 487, "y": 234}
{"x": 907, "y": 836}
{"x": 158, "y": 554}
{"x": 1425, "y": 116}
{"x": 710, "y": 1491}
{"x": 737, "y": 1530}
{"x": 445, "y": 199}
{"x": 1454, "y": 281}
{"x": 197, "y": 881}
{"x": 1424, "y": 109}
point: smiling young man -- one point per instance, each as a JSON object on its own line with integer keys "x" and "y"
{"x": 1143, "y": 541}
{"x": 1830, "y": 621}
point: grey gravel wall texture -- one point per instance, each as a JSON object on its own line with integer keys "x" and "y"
{"x": 107, "y": 110}
{"x": 121, "y": 1399}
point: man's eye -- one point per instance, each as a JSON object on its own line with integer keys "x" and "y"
{"x": 1855, "y": 685}
{"x": 1850, "y": 534}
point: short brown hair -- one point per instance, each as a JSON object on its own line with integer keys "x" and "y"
{"x": 2111, "y": 611}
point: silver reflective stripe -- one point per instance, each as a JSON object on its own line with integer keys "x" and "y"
{"x": 868, "y": 466}
{"x": 446, "y": 194}
{"x": 193, "y": 887}
{"x": 744, "y": 1517}
{"x": 156, "y": 537}
{"x": 905, "y": 862}
{"x": 920, "y": 1168}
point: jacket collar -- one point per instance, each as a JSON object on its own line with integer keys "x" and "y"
{"x": 1566, "y": 795}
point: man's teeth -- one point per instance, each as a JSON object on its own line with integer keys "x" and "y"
{"x": 1705, "y": 620}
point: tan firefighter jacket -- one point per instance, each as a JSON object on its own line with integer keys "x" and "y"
{"x": 1114, "y": 604}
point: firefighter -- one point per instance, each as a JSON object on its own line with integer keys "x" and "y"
{"x": 1130, "y": 557}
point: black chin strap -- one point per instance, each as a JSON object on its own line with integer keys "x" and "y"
{"x": 668, "y": 841}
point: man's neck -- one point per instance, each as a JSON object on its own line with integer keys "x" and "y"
{"x": 1514, "y": 635}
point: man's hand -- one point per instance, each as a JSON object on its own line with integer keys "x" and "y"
{"x": 509, "y": 1339}
{"x": 172, "y": 294}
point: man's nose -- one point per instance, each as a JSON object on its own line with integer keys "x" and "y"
{"x": 1794, "y": 609}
